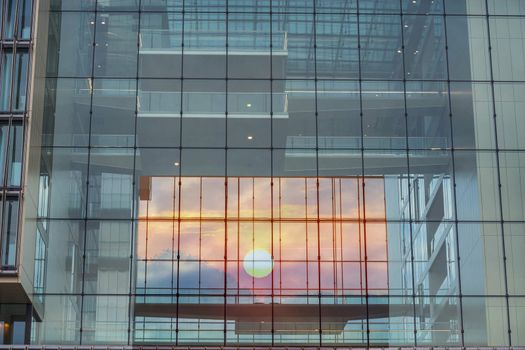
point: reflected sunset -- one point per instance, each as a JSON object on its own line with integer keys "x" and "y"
{"x": 249, "y": 237}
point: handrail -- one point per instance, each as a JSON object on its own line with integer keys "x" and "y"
{"x": 205, "y": 40}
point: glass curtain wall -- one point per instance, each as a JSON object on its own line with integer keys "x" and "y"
{"x": 15, "y": 39}
{"x": 233, "y": 172}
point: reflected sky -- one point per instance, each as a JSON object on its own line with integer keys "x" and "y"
{"x": 316, "y": 235}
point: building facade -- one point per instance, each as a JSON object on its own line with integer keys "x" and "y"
{"x": 263, "y": 173}
{"x": 15, "y": 50}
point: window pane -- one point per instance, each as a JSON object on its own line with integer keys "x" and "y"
{"x": 70, "y": 50}
{"x": 113, "y": 117}
{"x": 508, "y": 43}
{"x": 66, "y": 112}
{"x": 160, "y": 45}
{"x": 9, "y": 241}
{"x": 5, "y": 80}
{"x": 16, "y": 142}
{"x": 116, "y": 45}
{"x": 380, "y": 40}
{"x": 20, "y": 81}
{"x": 4, "y": 141}
{"x": 424, "y": 47}
{"x": 24, "y": 18}
{"x": 10, "y": 19}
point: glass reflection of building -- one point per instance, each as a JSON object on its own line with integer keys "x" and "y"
{"x": 15, "y": 47}
{"x": 271, "y": 172}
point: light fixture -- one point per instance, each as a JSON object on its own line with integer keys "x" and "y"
{"x": 176, "y": 163}
{"x": 249, "y": 105}
{"x": 250, "y": 137}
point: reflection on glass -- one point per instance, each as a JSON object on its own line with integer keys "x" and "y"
{"x": 10, "y": 19}
{"x": 24, "y": 18}
{"x": 20, "y": 81}
{"x": 5, "y": 79}
{"x": 260, "y": 240}
{"x": 116, "y": 44}
{"x": 9, "y": 232}
{"x": 13, "y": 81}
{"x": 15, "y": 155}
{"x": 249, "y": 166}
{"x": 73, "y": 42}
{"x": 11, "y": 144}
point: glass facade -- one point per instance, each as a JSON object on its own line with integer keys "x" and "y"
{"x": 15, "y": 39}
{"x": 275, "y": 172}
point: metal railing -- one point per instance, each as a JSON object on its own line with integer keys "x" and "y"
{"x": 166, "y": 39}
{"x": 211, "y": 102}
{"x": 372, "y": 142}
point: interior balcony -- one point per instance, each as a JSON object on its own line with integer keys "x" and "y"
{"x": 387, "y": 154}
{"x": 207, "y": 54}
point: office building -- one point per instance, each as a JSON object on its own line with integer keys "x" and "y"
{"x": 340, "y": 173}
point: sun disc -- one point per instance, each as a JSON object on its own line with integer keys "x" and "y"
{"x": 258, "y": 263}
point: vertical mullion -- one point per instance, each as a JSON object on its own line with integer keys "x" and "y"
{"x": 226, "y": 173}
{"x": 146, "y": 261}
{"x": 306, "y": 239}
{"x": 319, "y": 294}
{"x": 86, "y": 213}
{"x": 134, "y": 205}
{"x": 173, "y": 241}
{"x": 30, "y": 56}
{"x": 2, "y": 212}
{"x": 199, "y": 276}
{"x": 410, "y": 220}
{"x": 238, "y": 216}
{"x": 3, "y": 194}
{"x": 270, "y": 24}
{"x": 280, "y": 243}
{"x": 179, "y": 182}
{"x": 200, "y": 244}
{"x": 498, "y": 164}
{"x": 341, "y": 245}
{"x": 253, "y": 235}
{"x": 361, "y": 183}
{"x": 453, "y": 161}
